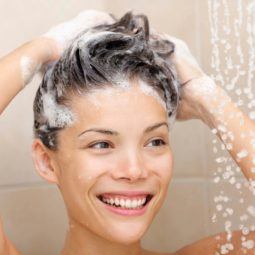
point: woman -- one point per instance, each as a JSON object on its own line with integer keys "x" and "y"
{"x": 102, "y": 119}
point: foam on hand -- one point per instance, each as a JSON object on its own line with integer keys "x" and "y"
{"x": 65, "y": 32}
{"x": 205, "y": 87}
{"x": 182, "y": 50}
{"x": 28, "y": 68}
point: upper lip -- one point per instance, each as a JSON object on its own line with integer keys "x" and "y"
{"x": 127, "y": 193}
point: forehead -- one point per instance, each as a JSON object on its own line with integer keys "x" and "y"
{"x": 132, "y": 100}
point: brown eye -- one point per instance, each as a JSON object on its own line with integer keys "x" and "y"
{"x": 100, "y": 145}
{"x": 157, "y": 142}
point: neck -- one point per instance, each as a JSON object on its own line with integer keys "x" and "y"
{"x": 81, "y": 241}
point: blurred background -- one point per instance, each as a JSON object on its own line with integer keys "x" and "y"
{"x": 32, "y": 210}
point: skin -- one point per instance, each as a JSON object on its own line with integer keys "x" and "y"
{"x": 40, "y": 50}
{"x": 197, "y": 104}
{"x": 133, "y": 160}
{"x": 51, "y": 166}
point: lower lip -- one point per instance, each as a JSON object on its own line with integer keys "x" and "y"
{"x": 127, "y": 212}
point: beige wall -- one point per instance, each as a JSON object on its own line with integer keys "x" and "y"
{"x": 32, "y": 210}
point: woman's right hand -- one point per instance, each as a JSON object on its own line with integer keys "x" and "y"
{"x": 19, "y": 67}
{"x": 64, "y": 33}
{"x": 6, "y": 247}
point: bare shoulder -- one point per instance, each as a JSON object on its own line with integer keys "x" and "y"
{"x": 212, "y": 244}
{"x": 146, "y": 252}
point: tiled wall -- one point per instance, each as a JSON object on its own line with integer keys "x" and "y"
{"x": 32, "y": 211}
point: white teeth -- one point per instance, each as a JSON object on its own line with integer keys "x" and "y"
{"x": 117, "y": 202}
{"x": 128, "y": 203}
{"x": 122, "y": 203}
{"x": 134, "y": 203}
{"x": 125, "y": 203}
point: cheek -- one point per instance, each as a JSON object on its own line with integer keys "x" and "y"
{"x": 86, "y": 169}
{"x": 167, "y": 166}
{"x": 72, "y": 173}
{"x": 164, "y": 168}
{"x": 89, "y": 168}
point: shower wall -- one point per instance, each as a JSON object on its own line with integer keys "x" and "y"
{"x": 32, "y": 210}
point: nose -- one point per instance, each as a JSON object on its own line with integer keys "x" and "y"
{"x": 131, "y": 167}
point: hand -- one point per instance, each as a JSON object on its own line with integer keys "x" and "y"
{"x": 196, "y": 86}
{"x": 6, "y": 247}
{"x": 63, "y": 33}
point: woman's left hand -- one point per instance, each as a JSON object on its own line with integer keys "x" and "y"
{"x": 196, "y": 86}
{"x": 202, "y": 99}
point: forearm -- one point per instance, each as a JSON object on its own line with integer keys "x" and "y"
{"x": 18, "y": 67}
{"x": 202, "y": 99}
{"x": 233, "y": 127}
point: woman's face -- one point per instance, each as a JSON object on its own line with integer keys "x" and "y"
{"x": 117, "y": 151}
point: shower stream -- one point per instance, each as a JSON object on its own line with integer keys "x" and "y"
{"x": 232, "y": 25}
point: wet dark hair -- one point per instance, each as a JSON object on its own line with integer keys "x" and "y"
{"x": 97, "y": 58}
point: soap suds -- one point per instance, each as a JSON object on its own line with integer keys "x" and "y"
{"x": 57, "y": 115}
{"x": 182, "y": 50}
{"x": 65, "y": 32}
{"x": 122, "y": 86}
{"x": 148, "y": 90}
{"x": 96, "y": 58}
{"x": 89, "y": 36}
{"x": 28, "y": 68}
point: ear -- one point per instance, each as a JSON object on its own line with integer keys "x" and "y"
{"x": 43, "y": 161}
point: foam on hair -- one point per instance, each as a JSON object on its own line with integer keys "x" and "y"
{"x": 101, "y": 57}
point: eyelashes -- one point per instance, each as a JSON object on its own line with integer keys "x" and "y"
{"x": 160, "y": 142}
{"x": 106, "y": 145}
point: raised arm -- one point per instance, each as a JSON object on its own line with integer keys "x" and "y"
{"x": 16, "y": 69}
{"x": 19, "y": 66}
{"x": 233, "y": 127}
{"x": 203, "y": 99}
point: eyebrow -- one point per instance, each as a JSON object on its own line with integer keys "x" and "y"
{"x": 115, "y": 133}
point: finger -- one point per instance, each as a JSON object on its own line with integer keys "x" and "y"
{"x": 181, "y": 112}
{"x": 185, "y": 111}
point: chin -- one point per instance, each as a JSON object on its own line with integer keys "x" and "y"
{"x": 126, "y": 239}
{"x": 128, "y": 233}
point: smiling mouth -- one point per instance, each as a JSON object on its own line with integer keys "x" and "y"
{"x": 126, "y": 202}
